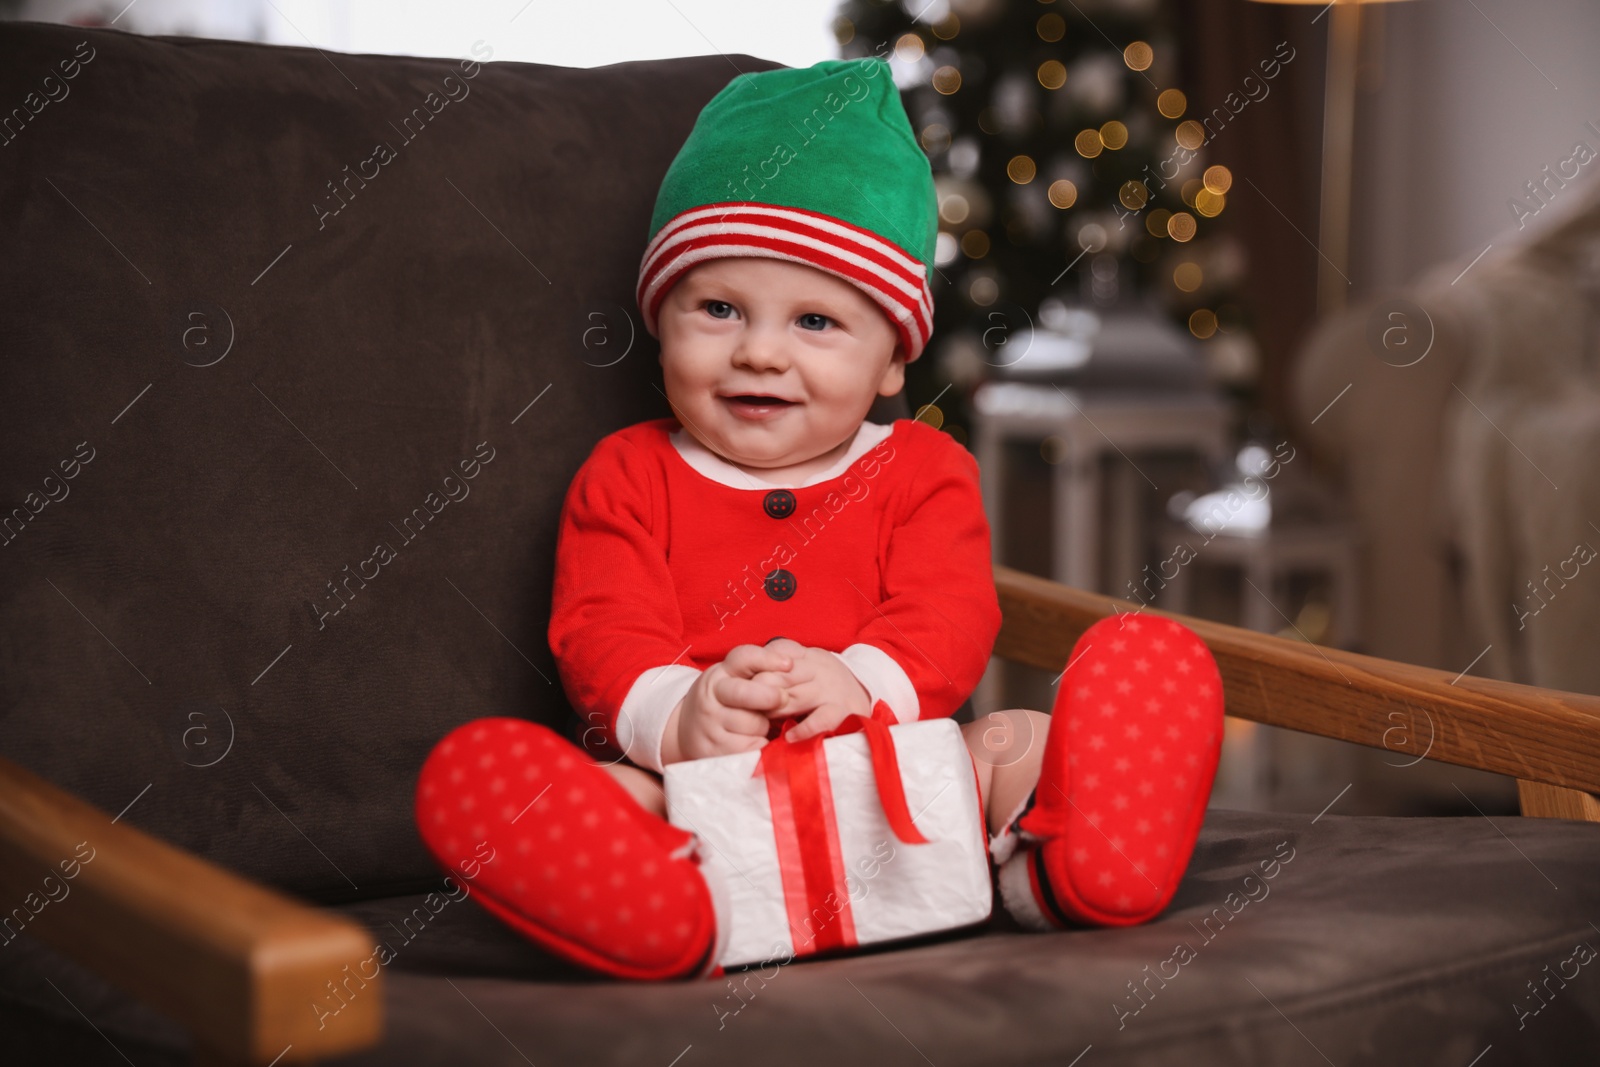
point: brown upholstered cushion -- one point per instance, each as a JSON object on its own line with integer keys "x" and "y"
{"x": 1378, "y": 941}
{"x": 267, "y": 389}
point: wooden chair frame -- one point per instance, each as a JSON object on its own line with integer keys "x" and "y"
{"x": 240, "y": 965}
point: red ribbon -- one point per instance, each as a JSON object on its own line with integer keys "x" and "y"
{"x": 806, "y": 828}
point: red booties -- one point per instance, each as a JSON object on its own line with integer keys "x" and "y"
{"x": 558, "y": 850}
{"x": 1135, "y": 735}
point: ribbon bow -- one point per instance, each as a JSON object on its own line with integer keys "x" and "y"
{"x": 791, "y": 759}
{"x": 816, "y": 889}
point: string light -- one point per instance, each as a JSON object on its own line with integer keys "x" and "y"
{"x": 954, "y": 209}
{"x": 1063, "y": 194}
{"x": 1052, "y": 75}
{"x": 935, "y": 138}
{"x": 1021, "y": 169}
{"x": 1171, "y": 103}
{"x": 1138, "y": 56}
{"x": 1088, "y": 143}
{"x": 946, "y": 80}
{"x": 908, "y": 49}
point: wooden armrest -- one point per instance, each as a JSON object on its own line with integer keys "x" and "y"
{"x": 1532, "y": 734}
{"x": 240, "y": 966}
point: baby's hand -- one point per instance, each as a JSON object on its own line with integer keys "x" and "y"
{"x": 725, "y": 710}
{"x": 818, "y": 683}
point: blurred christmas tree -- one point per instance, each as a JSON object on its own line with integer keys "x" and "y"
{"x": 1069, "y": 175}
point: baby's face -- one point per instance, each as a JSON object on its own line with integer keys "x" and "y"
{"x": 816, "y": 348}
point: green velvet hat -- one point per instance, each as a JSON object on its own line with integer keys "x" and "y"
{"x": 817, "y": 166}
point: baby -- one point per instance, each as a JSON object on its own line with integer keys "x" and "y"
{"x": 768, "y": 554}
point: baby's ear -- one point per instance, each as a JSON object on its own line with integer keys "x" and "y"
{"x": 894, "y": 375}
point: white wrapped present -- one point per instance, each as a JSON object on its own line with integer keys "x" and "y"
{"x": 870, "y": 834}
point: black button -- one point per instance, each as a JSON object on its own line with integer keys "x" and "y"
{"x": 780, "y": 584}
{"x": 779, "y": 504}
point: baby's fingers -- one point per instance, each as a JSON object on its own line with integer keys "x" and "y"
{"x": 776, "y": 679}
{"x": 745, "y": 661}
{"x": 824, "y": 718}
{"x": 738, "y": 723}
{"x": 747, "y": 694}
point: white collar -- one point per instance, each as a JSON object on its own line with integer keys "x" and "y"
{"x": 719, "y": 470}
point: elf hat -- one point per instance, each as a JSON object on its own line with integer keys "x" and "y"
{"x": 816, "y": 166}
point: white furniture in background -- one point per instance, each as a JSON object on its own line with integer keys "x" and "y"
{"x": 1091, "y": 424}
{"x": 1265, "y": 561}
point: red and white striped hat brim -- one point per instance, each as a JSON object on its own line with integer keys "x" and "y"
{"x": 895, "y": 281}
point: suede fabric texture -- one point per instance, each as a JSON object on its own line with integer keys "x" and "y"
{"x": 1381, "y": 941}
{"x": 178, "y": 594}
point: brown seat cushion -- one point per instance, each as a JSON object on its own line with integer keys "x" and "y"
{"x": 1378, "y": 940}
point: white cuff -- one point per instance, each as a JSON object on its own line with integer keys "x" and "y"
{"x": 884, "y": 680}
{"x": 645, "y": 710}
{"x": 1016, "y": 894}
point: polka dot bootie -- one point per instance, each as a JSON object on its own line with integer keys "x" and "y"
{"x": 557, "y": 849}
{"x": 1135, "y": 735}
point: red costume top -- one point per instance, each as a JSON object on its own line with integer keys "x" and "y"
{"x": 668, "y": 556}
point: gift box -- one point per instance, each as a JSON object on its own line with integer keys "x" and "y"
{"x": 871, "y": 833}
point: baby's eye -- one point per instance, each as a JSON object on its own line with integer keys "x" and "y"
{"x": 812, "y": 321}
{"x": 719, "y": 309}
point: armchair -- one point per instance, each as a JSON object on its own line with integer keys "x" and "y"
{"x": 216, "y": 690}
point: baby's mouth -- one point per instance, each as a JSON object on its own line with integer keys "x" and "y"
{"x": 758, "y": 401}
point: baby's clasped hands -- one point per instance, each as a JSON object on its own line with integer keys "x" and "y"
{"x": 726, "y": 709}
{"x": 729, "y": 708}
{"x": 818, "y": 683}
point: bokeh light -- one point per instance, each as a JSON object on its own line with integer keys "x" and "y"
{"x": 1208, "y": 203}
{"x": 908, "y": 49}
{"x": 1021, "y": 169}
